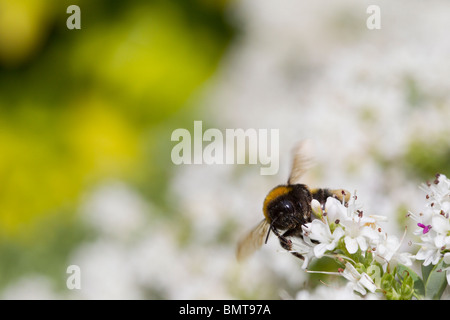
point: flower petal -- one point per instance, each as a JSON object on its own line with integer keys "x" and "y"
{"x": 367, "y": 282}
{"x": 447, "y": 274}
{"x": 447, "y": 258}
{"x": 440, "y": 224}
{"x": 362, "y": 243}
{"x": 316, "y": 208}
{"x": 351, "y": 244}
{"x": 335, "y": 210}
{"x": 320, "y": 249}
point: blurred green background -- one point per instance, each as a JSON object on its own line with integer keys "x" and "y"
{"x": 86, "y": 118}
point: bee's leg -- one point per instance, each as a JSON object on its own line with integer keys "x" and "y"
{"x": 298, "y": 255}
{"x": 286, "y": 243}
{"x": 296, "y": 232}
{"x": 321, "y": 195}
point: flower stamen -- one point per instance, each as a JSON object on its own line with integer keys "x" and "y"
{"x": 425, "y": 228}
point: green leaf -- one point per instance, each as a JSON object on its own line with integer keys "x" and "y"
{"x": 419, "y": 287}
{"x": 426, "y": 272}
{"x": 436, "y": 282}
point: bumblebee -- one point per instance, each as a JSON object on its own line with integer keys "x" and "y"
{"x": 287, "y": 208}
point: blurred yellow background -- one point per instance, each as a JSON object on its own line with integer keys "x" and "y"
{"x": 86, "y": 117}
{"x": 78, "y": 107}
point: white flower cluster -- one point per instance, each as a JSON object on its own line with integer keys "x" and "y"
{"x": 433, "y": 224}
{"x": 344, "y": 232}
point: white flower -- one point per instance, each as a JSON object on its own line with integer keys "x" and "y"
{"x": 335, "y": 210}
{"x": 320, "y": 231}
{"x": 434, "y": 224}
{"x": 317, "y": 208}
{"x": 349, "y": 222}
{"x": 440, "y": 224}
{"x": 359, "y": 230}
{"x": 423, "y": 222}
{"x": 430, "y": 250}
{"x": 305, "y": 249}
{"x": 358, "y": 235}
{"x": 358, "y": 281}
{"x": 387, "y": 251}
{"x": 438, "y": 193}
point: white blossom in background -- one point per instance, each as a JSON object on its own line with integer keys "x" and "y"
{"x": 114, "y": 209}
{"x": 31, "y": 287}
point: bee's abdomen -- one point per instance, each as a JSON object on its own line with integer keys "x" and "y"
{"x": 321, "y": 195}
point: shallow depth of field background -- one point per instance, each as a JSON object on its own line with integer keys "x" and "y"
{"x": 86, "y": 118}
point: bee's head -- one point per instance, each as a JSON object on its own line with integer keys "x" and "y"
{"x": 288, "y": 206}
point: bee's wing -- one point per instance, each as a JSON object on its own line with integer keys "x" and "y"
{"x": 303, "y": 160}
{"x": 252, "y": 241}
